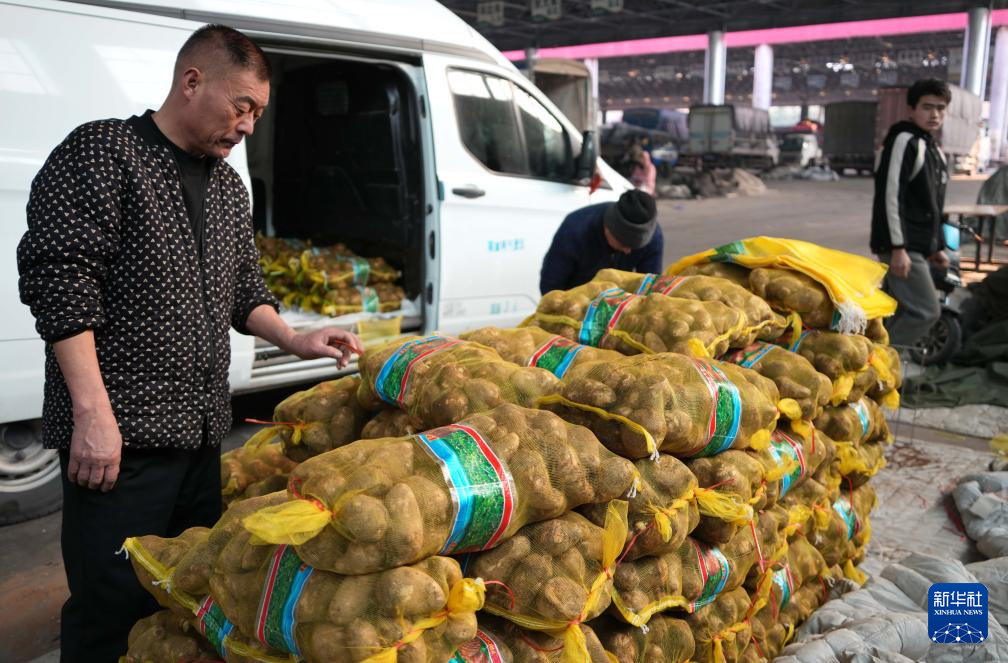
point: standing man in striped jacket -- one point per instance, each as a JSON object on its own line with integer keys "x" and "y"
{"x": 906, "y": 232}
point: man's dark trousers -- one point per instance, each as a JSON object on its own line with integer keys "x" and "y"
{"x": 159, "y": 491}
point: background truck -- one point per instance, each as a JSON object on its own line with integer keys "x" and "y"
{"x": 855, "y": 130}
{"x": 731, "y": 136}
{"x": 661, "y": 131}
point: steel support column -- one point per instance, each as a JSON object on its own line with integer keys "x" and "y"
{"x": 715, "y": 63}
{"x": 976, "y": 47}
{"x": 762, "y": 94}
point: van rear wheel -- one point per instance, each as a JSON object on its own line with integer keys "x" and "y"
{"x": 30, "y": 484}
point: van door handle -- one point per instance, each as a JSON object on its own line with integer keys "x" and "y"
{"x": 469, "y": 191}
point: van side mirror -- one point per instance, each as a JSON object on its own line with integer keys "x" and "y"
{"x": 584, "y": 169}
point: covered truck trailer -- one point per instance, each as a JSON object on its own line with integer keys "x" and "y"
{"x": 731, "y": 136}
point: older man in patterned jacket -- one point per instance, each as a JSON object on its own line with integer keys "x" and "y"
{"x": 139, "y": 257}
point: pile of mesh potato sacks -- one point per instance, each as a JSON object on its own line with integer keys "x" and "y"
{"x": 650, "y": 468}
{"x": 330, "y": 280}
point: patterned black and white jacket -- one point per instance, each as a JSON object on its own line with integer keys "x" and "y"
{"x": 109, "y": 247}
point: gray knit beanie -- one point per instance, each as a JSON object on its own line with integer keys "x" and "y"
{"x": 632, "y": 219}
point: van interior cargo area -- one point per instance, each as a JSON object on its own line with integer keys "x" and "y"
{"x": 337, "y": 159}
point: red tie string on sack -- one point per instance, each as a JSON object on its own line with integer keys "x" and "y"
{"x": 346, "y": 344}
{"x": 759, "y": 549}
{"x": 527, "y": 640}
{"x": 294, "y": 486}
{"x": 759, "y": 650}
{"x": 507, "y": 589}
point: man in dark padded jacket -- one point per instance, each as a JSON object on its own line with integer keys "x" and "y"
{"x": 138, "y": 258}
{"x": 906, "y": 233}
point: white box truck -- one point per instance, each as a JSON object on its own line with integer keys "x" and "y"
{"x": 393, "y": 127}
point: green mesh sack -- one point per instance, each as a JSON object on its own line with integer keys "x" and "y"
{"x": 602, "y": 315}
{"x": 260, "y": 462}
{"x": 720, "y": 630}
{"x": 268, "y": 594}
{"x": 377, "y": 504}
{"x": 761, "y": 321}
{"x": 387, "y": 423}
{"x": 440, "y": 380}
{"x": 664, "y": 509}
{"x": 860, "y": 422}
{"x": 320, "y": 419}
{"x": 666, "y": 639}
{"x": 795, "y": 377}
{"x": 554, "y": 576}
{"x": 532, "y": 346}
{"x": 737, "y": 274}
{"x": 670, "y": 403}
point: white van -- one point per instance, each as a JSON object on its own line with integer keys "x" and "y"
{"x": 393, "y": 127}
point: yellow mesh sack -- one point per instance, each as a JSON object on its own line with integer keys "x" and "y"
{"x": 877, "y": 332}
{"x": 165, "y": 637}
{"x": 860, "y": 422}
{"x": 532, "y": 346}
{"x": 788, "y": 460}
{"x": 319, "y": 419}
{"x": 376, "y": 504}
{"x": 694, "y": 574}
{"x": 847, "y": 528}
{"x": 859, "y": 463}
{"x": 662, "y": 510}
{"x": 772, "y": 631}
{"x": 666, "y": 639}
{"x": 737, "y": 274}
{"x": 795, "y": 377}
{"x": 720, "y": 630}
{"x": 602, "y": 315}
{"x": 773, "y": 588}
{"x": 336, "y": 266}
{"x": 761, "y": 321}
{"x": 342, "y": 300}
{"x": 267, "y": 593}
{"x": 245, "y": 471}
{"x": 668, "y": 402}
{"x": 851, "y": 282}
{"x": 387, "y": 423}
{"x": 500, "y": 641}
{"x": 840, "y": 357}
{"x": 737, "y": 476}
{"x": 439, "y": 380}
{"x": 554, "y": 575}
{"x": 808, "y": 506}
{"x": 886, "y": 364}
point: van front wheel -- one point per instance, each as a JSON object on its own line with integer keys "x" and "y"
{"x": 30, "y": 484}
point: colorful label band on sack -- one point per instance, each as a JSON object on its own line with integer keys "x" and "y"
{"x": 556, "y": 356}
{"x": 361, "y": 269}
{"x": 369, "y": 300}
{"x": 714, "y": 572}
{"x": 213, "y": 625}
{"x": 748, "y": 357}
{"x": 782, "y": 448}
{"x": 726, "y": 409}
{"x": 861, "y": 408}
{"x": 785, "y": 584}
{"x": 481, "y": 649}
{"x": 285, "y": 581}
{"x": 645, "y": 285}
{"x": 603, "y": 314}
{"x": 846, "y": 512}
{"x": 390, "y": 385}
{"x": 801, "y": 338}
{"x": 480, "y": 484}
{"x": 726, "y": 252}
{"x": 667, "y": 284}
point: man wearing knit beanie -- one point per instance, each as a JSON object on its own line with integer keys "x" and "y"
{"x": 624, "y": 235}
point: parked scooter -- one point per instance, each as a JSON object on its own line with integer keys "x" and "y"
{"x": 944, "y": 339}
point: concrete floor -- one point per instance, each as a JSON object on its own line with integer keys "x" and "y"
{"x": 836, "y": 214}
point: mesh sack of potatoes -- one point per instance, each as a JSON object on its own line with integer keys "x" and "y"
{"x": 670, "y": 403}
{"x": 840, "y": 357}
{"x": 772, "y": 588}
{"x": 166, "y": 637}
{"x": 555, "y": 575}
{"x": 376, "y": 504}
{"x": 858, "y": 463}
{"x": 789, "y": 459}
{"x": 792, "y": 291}
{"x": 501, "y": 641}
{"x": 739, "y": 477}
{"x": 320, "y": 419}
{"x": 771, "y": 629}
{"x": 888, "y": 369}
{"x": 692, "y": 575}
{"x": 375, "y": 298}
{"x": 602, "y": 315}
{"x": 260, "y": 461}
{"x": 808, "y": 505}
{"x": 877, "y": 332}
{"x": 532, "y": 346}
{"x": 330, "y": 267}
{"x": 666, "y": 639}
{"x": 761, "y": 321}
{"x": 662, "y": 510}
{"x": 844, "y": 527}
{"x": 720, "y": 631}
{"x": 737, "y": 274}
{"x": 440, "y": 380}
{"x": 387, "y": 423}
{"x": 420, "y": 612}
{"x": 860, "y": 422}
{"x": 795, "y": 377}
